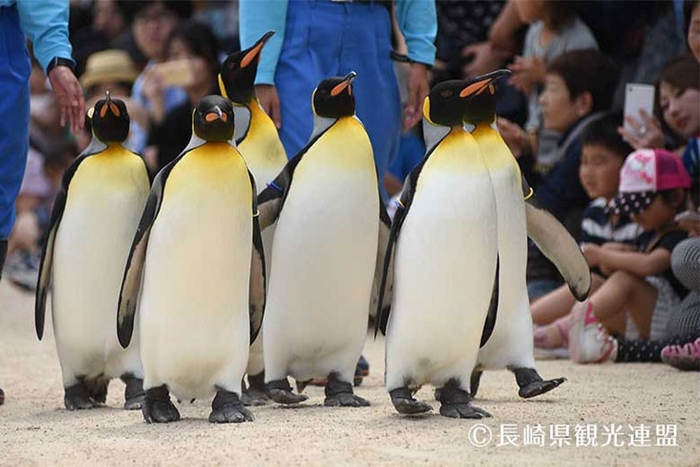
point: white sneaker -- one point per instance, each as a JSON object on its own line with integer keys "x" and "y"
{"x": 588, "y": 340}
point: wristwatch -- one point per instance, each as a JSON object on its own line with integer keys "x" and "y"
{"x": 60, "y": 61}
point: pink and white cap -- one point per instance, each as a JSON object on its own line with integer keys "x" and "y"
{"x": 645, "y": 173}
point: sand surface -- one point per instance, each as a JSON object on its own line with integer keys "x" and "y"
{"x": 632, "y": 400}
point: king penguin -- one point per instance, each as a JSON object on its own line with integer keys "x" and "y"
{"x": 445, "y": 264}
{"x": 329, "y": 218}
{"x": 507, "y": 338}
{"x": 95, "y": 214}
{"x": 258, "y": 141}
{"x": 196, "y": 273}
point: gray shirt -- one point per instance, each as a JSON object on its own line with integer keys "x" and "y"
{"x": 573, "y": 36}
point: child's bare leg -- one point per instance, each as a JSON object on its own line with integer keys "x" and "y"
{"x": 558, "y": 303}
{"x": 624, "y": 291}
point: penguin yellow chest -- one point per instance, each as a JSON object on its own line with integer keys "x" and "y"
{"x": 261, "y": 148}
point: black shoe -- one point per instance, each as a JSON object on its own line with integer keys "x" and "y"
{"x": 2, "y": 397}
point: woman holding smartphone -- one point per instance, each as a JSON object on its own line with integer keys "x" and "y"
{"x": 192, "y": 63}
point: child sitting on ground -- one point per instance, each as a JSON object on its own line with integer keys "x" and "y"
{"x": 604, "y": 151}
{"x": 653, "y": 189}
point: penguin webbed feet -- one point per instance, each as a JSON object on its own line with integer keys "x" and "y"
{"x": 456, "y": 403}
{"x": 340, "y": 394}
{"x": 227, "y": 407}
{"x": 77, "y": 397}
{"x": 255, "y": 394}
{"x": 405, "y": 404}
{"x": 157, "y": 407}
{"x": 133, "y": 392}
{"x": 531, "y": 383}
{"x": 280, "y": 391}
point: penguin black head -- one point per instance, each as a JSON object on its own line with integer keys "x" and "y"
{"x": 333, "y": 97}
{"x": 212, "y": 119}
{"x": 481, "y": 107}
{"x": 446, "y": 103}
{"x": 237, "y": 77}
{"x": 110, "y": 120}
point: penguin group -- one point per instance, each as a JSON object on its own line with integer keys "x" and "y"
{"x": 236, "y": 261}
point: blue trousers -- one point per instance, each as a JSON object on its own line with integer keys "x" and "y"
{"x": 323, "y": 39}
{"x": 15, "y": 67}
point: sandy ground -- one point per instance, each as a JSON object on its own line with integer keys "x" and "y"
{"x": 634, "y": 400}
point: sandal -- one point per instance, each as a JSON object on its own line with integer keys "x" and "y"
{"x": 683, "y": 357}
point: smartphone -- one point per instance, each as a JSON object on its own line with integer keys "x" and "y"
{"x": 638, "y": 97}
{"x": 175, "y": 73}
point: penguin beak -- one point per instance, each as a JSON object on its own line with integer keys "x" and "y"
{"x": 215, "y": 114}
{"x": 254, "y": 51}
{"x": 114, "y": 110}
{"x": 482, "y": 83}
{"x": 340, "y": 87}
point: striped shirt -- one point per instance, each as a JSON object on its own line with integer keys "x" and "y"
{"x": 597, "y": 228}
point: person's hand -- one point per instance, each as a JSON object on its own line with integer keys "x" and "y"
{"x": 527, "y": 73}
{"x": 270, "y": 102}
{"x": 485, "y": 58}
{"x": 515, "y": 137}
{"x": 646, "y": 132}
{"x": 418, "y": 89}
{"x": 591, "y": 252}
{"x": 617, "y": 246}
{"x": 154, "y": 90}
{"x": 69, "y": 95}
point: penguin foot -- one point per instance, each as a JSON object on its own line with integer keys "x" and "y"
{"x": 405, "y": 404}
{"x": 77, "y": 397}
{"x": 133, "y": 393}
{"x": 531, "y": 383}
{"x": 97, "y": 390}
{"x": 256, "y": 393}
{"x": 228, "y": 408}
{"x": 157, "y": 407}
{"x": 456, "y": 402}
{"x": 340, "y": 394}
{"x": 539, "y": 387}
{"x": 281, "y": 392}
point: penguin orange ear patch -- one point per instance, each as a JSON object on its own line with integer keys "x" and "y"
{"x": 210, "y": 117}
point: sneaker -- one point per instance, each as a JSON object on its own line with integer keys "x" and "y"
{"x": 22, "y": 269}
{"x": 588, "y": 340}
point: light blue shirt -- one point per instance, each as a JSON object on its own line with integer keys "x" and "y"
{"x": 45, "y": 22}
{"x": 416, "y": 19}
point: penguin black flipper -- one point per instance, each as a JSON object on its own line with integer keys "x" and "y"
{"x": 42, "y": 288}
{"x": 382, "y": 244}
{"x": 492, "y": 314}
{"x": 258, "y": 276}
{"x": 557, "y": 244}
{"x": 404, "y": 204}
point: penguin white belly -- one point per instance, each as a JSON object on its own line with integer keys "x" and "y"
{"x": 323, "y": 263}
{"x": 445, "y": 264}
{"x": 92, "y": 244}
{"x": 511, "y": 342}
{"x": 194, "y": 302}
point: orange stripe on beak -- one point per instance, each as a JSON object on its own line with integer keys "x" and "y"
{"x": 250, "y": 56}
{"x": 339, "y": 88}
{"x": 103, "y": 111}
{"x": 114, "y": 109}
{"x": 474, "y": 88}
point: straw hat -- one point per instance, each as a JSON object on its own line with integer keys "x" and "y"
{"x": 108, "y": 66}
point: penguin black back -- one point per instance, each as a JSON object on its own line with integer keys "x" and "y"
{"x": 481, "y": 107}
{"x": 110, "y": 120}
{"x": 333, "y": 97}
{"x": 237, "y": 77}
{"x": 212, "y": 119}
